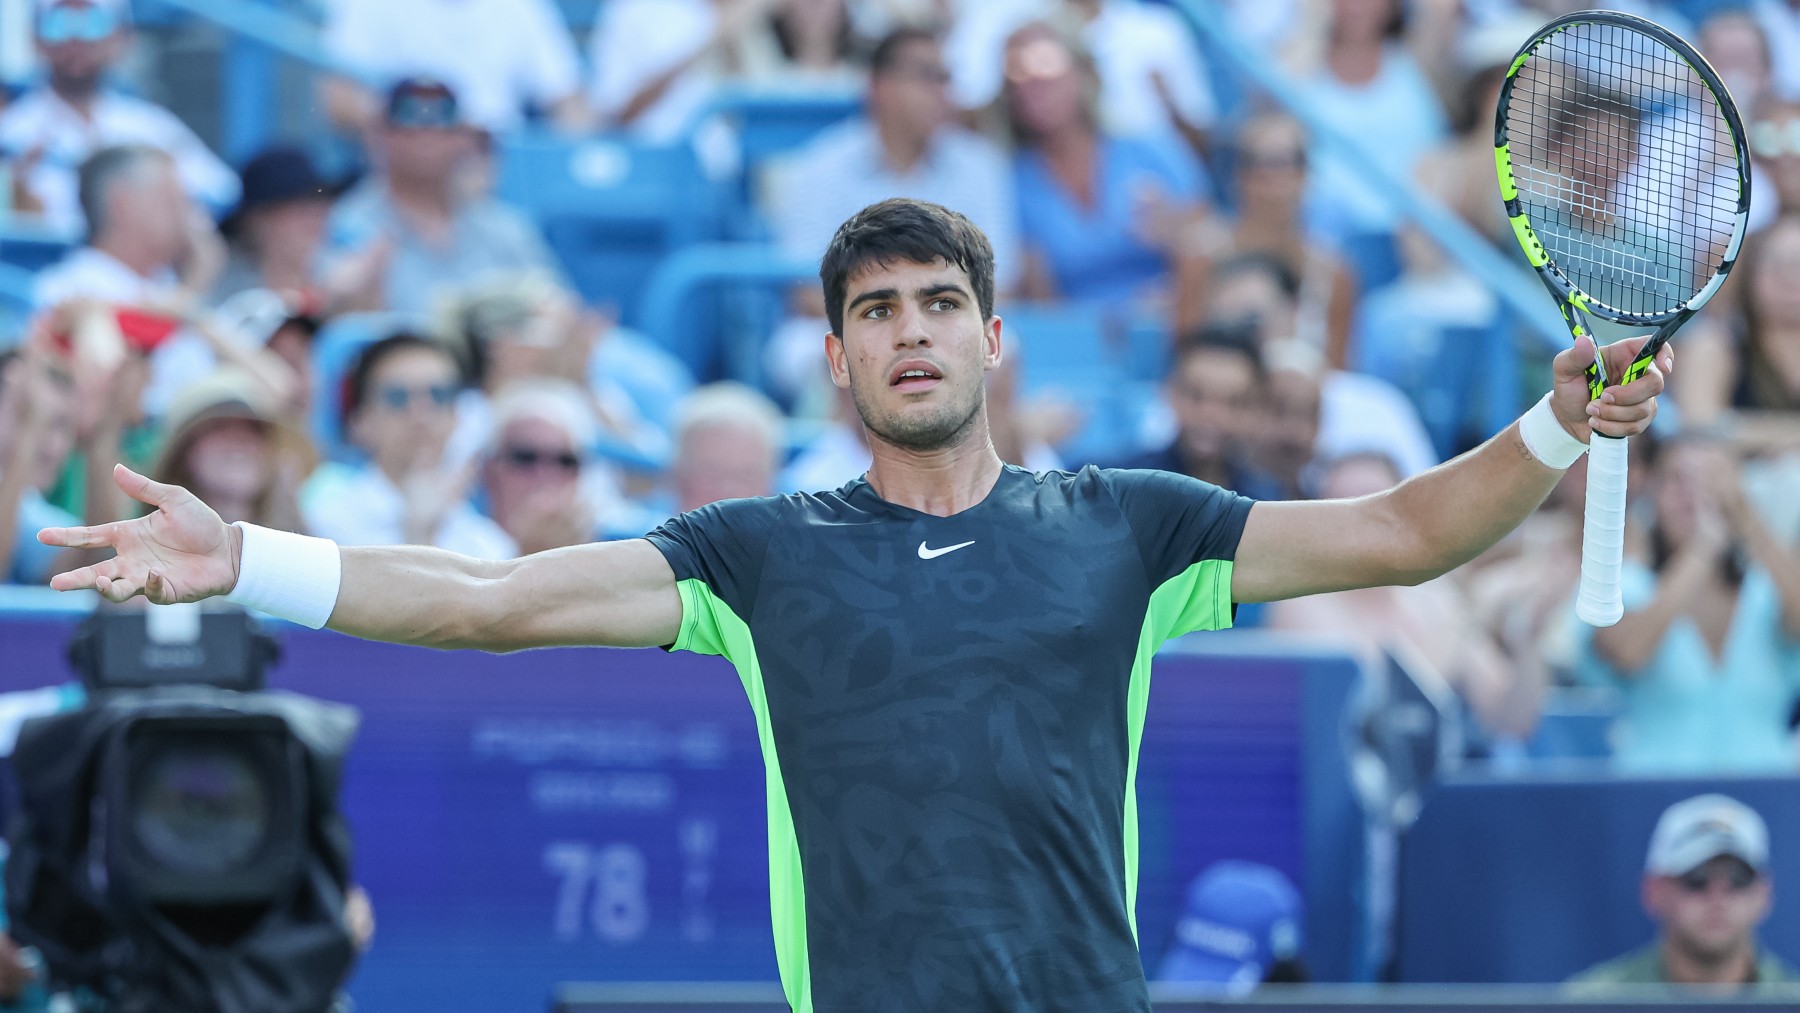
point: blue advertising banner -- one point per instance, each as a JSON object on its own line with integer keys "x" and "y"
{"x": 572, "y": 815}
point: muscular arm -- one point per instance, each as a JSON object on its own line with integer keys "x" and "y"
{"x": 1438, "y": 520}
{"x": 611, "y": 594}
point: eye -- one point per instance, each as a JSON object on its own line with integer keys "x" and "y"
{"x": 943, "y": 304}
{"x": 878, "y": 313}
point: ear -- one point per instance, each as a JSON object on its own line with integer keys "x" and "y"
{"x": 1654, "y": 894}
{"x": 837, "y": 361}
{"x": 991, "y": 352}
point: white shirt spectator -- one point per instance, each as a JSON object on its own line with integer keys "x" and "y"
{"x": 42, "y": 120}
{"x": 636, "y": 41}
{"x": 1395, "y": 118}
{"x": 1132, "y": 43}
{"x": 1359, "y": 413}
{"x": 1780, "y": 23}
{"x": 91, "y": 274}
{"x": 845, "y": 170}
{"x": 359, "y": 506}
{"x": 501, "y": 57}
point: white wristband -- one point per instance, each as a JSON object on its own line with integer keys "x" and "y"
{"x": 1546, "y": 438}
{"x": 288, "y": 576}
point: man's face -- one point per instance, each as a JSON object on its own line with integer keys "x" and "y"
{"x": 1213, "y": 394}
{"x": 409, "y": 410}
{"x": 1711, "y": 913}
{"x": 719, "y": 461}
{"x": 80, "y": 40}
{"x": 912, "y": 97}
{"x": 915, "y": 353}
{"x": 1291, "y": 427}
{"x": 426, "y": 156}
{"x": 151, "y": 205}
{"x": 534, "y": 459}
{"x": 1599, "y": 150}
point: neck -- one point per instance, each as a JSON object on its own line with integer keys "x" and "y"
{"x": 1683, "y": 967}
{"x": 77, "y": 92}
{"x": 1072, "y": 141}
{"x": 937, "y": 482}
{"x": 143, "y": 263}
{"x": 901, "y": 151}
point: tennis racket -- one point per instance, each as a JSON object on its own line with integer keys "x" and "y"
{"x": 1622, "y": 163}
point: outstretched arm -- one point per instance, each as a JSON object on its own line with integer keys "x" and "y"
{"x": 1436, "y": 521}
{"x": 617, "y": 594}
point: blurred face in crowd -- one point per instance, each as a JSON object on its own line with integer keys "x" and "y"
{"x": 1291, "y": 425}
{"x": 79, "y": 41}
{"x": 1711, "y": 913}
{"x": 409, "y": 410}
{"x": 55, "y": 438}
{"x": 903, "y": 317}
{"x": 533, "y": 459}
{"x": 1774, "y": 294}
{"x": 149, "y": 208}
{"x": 1047, "y": 88}
{"x": 1733, "y": 43}
{"x": 290, "y": 232}
{"x": 1775, "y": 144}
{"x": 1213, "y": 394}
{"x": 1358, "y": 475}
{"x": 230, "y": 460}
{"x": 1362, "y": 20}
{"x": 426, "y": 157}
{"x": 911, "y": 99}
{"x": 720, "y": 461}
{"x": 1271, "y": 167}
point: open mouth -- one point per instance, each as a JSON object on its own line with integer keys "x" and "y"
{"x": 914, "y": 376}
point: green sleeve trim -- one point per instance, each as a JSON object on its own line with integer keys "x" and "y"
{"x": 709, "y": 626}
{"x": 1197, "y": 598}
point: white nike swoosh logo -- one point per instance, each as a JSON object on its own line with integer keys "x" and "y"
{"x": 925, "y": 553}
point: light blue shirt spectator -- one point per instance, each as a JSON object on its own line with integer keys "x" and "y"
{"x": 1100, "y": 253}
{"x": 1687, "y": 713}
{"x": 1395, "y": 118}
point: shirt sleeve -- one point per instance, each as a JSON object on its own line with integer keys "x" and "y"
{"x": 717, "y": 555}
{"x": 1187, "y": 533}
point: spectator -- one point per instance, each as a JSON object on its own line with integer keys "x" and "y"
{"x": 533, "y": 471}
{"x": 1706, "y": 887}
{"x": 907, "y": 146}
{"x": 1780, "y": 20}
{"x": 729, "y": 443}
{"x": 1215, "y": 391}
{"x": 1460, "y": 172}
{"x": 37, "y": 428}
{"x": 1704, "y": 654}
{"x": 441, "y": 235}
{"x": 227, "y": 445}
{"x": 1756, "y": 378}
{"x": 1286, "y": 444}
{"x": 1775, "y": 158}
{"x": 1356, "y": 412}
{"x": 147, "y": 249}
{"x": 285, "y": 334}
{"x": 1101, "y": 216}
{"x": 1373, "y": 80}
{"x": 1428, "y": 626}
{"x": 277, "y": 231}
{"x": 816, "y": 46}
{"x": 508, "y": 60}
{"x": 1241, "y": 928}
{"x": 58, "y": 125}
{"x": 1153, "y": 81}
{"x": 1271, "y": 178}
{"x": 1735, "y": 45}
{"x": 399, "y": 410}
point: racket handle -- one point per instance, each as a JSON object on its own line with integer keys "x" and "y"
{"x": 1603, "y": 532}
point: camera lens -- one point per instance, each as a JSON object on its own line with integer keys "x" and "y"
{"x": 201, "y": 808}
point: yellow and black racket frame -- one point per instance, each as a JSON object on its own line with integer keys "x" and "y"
{"x": 1576, "y": 305}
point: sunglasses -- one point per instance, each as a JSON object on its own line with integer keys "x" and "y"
{"x": 76, "y": 24}
{"x": 399, "y": 398}
{"x": 1772, "y": 140}
{"x": 1737, "y": 879}
{"x": 531, "y": 458}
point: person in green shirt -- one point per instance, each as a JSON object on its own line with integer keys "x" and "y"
{"x": 1706, "y": 885}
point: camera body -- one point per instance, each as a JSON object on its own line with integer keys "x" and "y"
{"x": 177, "y": 844}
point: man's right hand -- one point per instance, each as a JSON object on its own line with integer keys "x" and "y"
{"x": 180, "y": 552}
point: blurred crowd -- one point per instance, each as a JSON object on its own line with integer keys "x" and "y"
{"x": 396, "y": 355}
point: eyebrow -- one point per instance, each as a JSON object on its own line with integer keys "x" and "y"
{"x": 929, "y": 291}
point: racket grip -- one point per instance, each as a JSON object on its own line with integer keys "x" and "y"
{"x": 1599, "y": 602}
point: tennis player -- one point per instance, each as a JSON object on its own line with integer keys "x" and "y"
{"x": 948, "y": 658}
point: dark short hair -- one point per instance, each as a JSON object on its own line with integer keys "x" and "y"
{"x": 901, "y": 228}
{"x": 102, "y": 171}
{"x": 1234, "y": 337}
{"x": 887, "y": 52}
{"x": 1276, "y": 268}
{"x": 356, "y": 382}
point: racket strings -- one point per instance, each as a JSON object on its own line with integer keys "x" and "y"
{"x": 1625, "y": 166}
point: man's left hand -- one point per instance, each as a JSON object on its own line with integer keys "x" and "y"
{"x": 1622, "y": 410}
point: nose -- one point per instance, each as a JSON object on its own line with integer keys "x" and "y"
{"x": 912, "y": 332}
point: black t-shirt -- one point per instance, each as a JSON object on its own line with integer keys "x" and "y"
{"x": 950, "y": 710}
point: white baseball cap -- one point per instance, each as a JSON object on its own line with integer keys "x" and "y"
{"x": 1696, "y": 830}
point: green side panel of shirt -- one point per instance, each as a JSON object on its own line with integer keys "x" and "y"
{"x": 709, "y": 626}
{"x": 1197, "y": 598}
